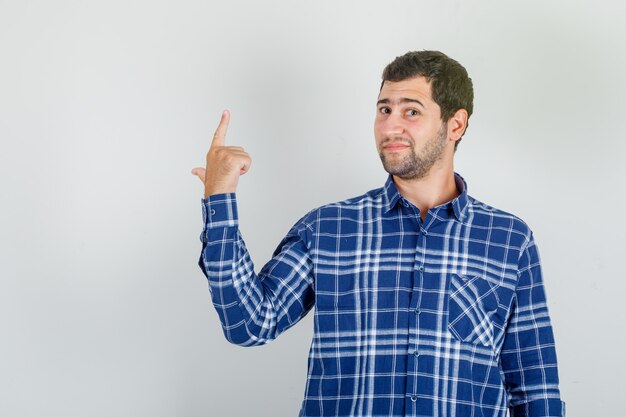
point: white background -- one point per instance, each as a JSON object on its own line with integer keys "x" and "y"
{"x": 106, "y": 106}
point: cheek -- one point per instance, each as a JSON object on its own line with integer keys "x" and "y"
{"x": 378, "y": 137}
{"x": 378, "y": 129}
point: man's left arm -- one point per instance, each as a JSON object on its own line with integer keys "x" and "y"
{"x": 528, "y": 356}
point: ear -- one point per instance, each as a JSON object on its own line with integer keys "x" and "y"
{"x": 457, "y": 124}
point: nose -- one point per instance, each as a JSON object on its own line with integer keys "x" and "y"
{"x": 392, "y": 126}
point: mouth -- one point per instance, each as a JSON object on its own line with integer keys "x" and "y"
{"x": 393, "y": 147}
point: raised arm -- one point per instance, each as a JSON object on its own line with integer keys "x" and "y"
{"x": 253, "y": 308}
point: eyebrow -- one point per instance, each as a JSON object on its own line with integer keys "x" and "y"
{"x": 402, "y": 100}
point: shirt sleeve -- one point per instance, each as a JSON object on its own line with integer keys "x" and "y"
{"x": 253, "y": 308}
{"x": 528, "y": 356}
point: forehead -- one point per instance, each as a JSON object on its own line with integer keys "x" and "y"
{"x": 415, "y": 88}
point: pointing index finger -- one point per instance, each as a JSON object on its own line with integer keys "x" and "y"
{"x": 220, "y": 133}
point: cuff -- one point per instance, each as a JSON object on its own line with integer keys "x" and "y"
{"x": 219, "y": 210}
{"x": 551, "y": 407}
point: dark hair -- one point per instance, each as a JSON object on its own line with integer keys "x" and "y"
{"x": 450, "y": 84}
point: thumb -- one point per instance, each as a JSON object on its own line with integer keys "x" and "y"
{"x": 199, "y": 172}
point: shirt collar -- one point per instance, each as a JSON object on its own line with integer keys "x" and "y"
{"x": 458, "y": 205}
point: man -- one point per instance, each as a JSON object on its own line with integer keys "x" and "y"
{"x": 427, "y": 301}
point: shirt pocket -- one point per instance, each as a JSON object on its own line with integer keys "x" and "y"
{"x": 472, "y": 304}
{"x": 337, "y": 292}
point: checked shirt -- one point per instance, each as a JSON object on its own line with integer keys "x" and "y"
{"x": 441, "y": 317}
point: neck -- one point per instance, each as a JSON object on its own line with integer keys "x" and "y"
{"x": 436, "y": 188}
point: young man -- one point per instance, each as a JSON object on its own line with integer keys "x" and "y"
{"x": 427, "y": 301}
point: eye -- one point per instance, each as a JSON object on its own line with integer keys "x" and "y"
{"x": 412, "y": 112}
{"x": 384, "y": 110}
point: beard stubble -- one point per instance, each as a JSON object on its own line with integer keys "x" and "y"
{"x": 414, "y": 166}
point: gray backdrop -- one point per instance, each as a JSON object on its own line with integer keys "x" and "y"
{"x": 106, "y": 106}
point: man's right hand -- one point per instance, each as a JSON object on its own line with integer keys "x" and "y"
{"x": 224, "y": 164}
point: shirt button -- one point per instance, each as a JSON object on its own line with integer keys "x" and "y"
{"x": 416, "y": 353}
{"x": 413, "y": 397}
{"x": 417, "y": 311}
{"x": 421, "y": 268}
{"x": 212, "y": 212}
{"x": 424, "y": 232}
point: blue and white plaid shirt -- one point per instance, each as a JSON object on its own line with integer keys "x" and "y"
{"x": 441, "y": 317}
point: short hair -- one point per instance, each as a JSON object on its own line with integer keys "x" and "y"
{"x": 451, "y": 86}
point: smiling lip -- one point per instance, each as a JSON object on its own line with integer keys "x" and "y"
{"x": 396, "y": 147}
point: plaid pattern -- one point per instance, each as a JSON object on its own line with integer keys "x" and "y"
{"x": 441, "y": 317}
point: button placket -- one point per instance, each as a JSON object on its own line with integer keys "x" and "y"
{"x": 421, "y": 243}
